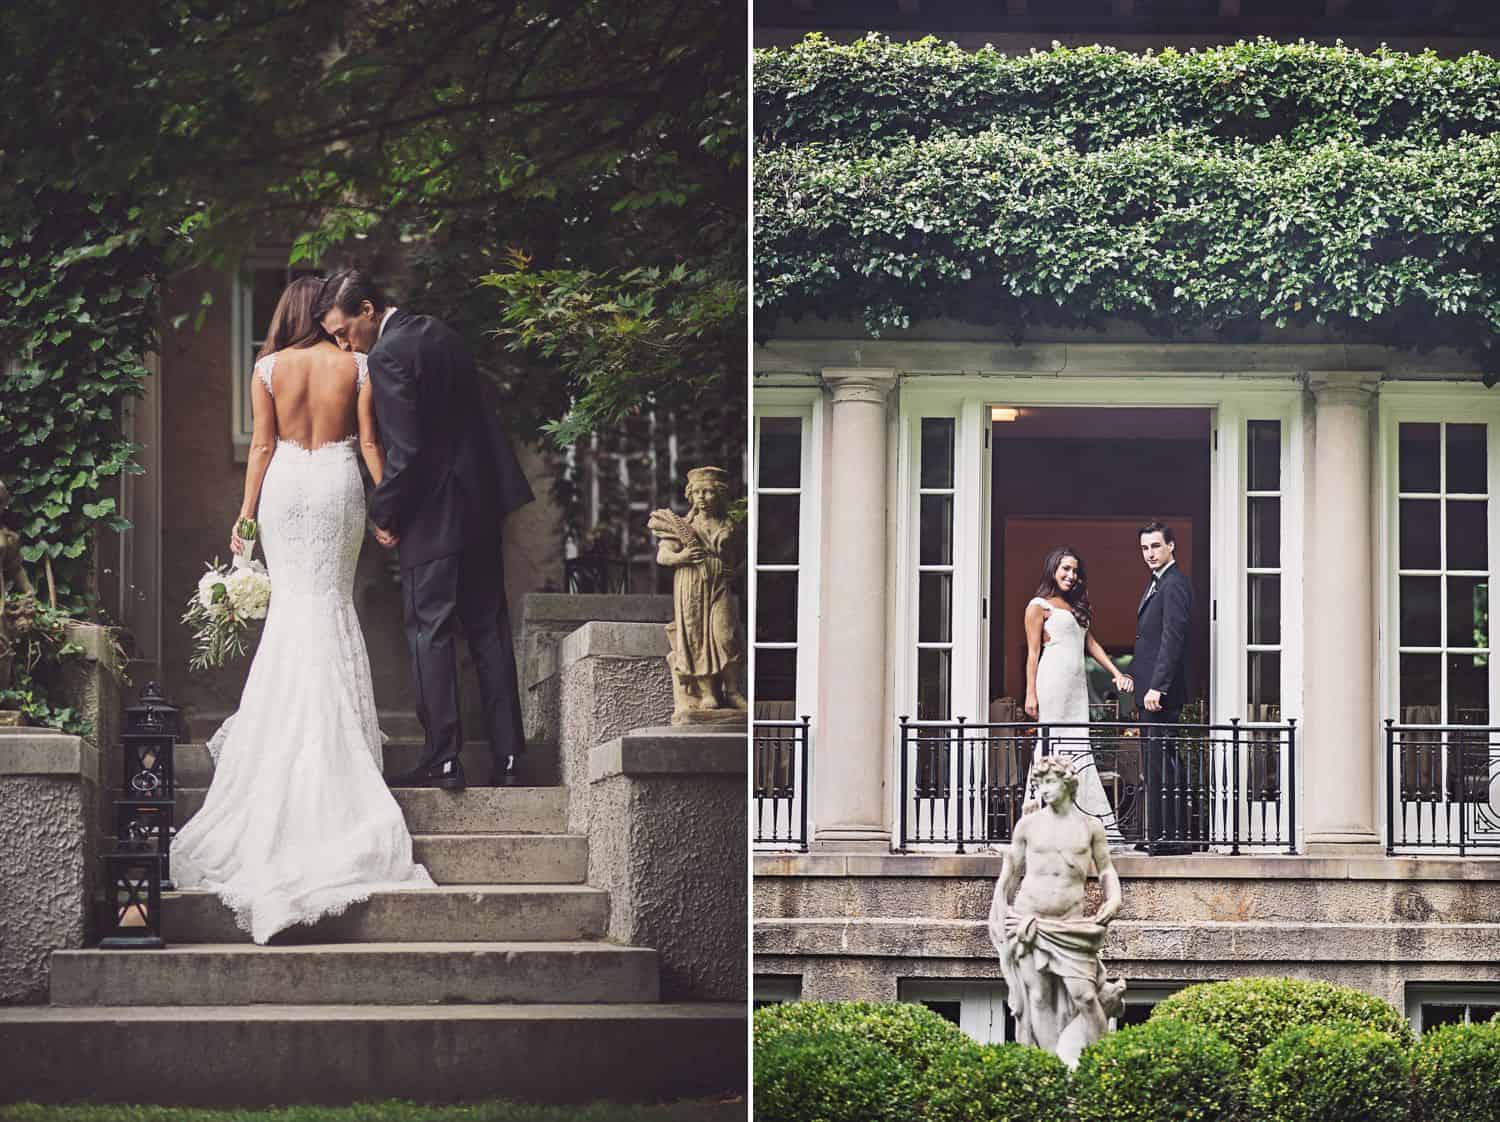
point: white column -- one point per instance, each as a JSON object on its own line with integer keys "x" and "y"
{"x": 1337, "y": 745}
{"x": 849, "y": 761}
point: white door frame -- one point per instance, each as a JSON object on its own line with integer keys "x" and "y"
{"x": 1233, "y": 400}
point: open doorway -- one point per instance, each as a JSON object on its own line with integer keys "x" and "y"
{"x": 1089, "y": 477}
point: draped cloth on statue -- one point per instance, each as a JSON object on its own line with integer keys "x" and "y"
{"x": 1037, "y": 945}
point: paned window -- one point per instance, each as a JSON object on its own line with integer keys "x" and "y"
{"x": 1429, "y": 1006}
{"x": 976, "y": 1007}
{"x": 1442, "y": 559}
{"x": 936, "y": 499}
{"x": 779, "y": 502}
{"x": 1263, "y": 570}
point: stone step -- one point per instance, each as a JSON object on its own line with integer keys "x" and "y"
{"x": 474, "y": 810}
{"x": 503, "y": 858}
{"x": 193, "y": 766}
{"x": 257, "y": 1055}
{"x": 333, "y": 974}
{"x": 540, "y": 913}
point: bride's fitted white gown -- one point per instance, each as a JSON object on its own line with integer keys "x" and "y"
{"x": 1062, "y": 697}
{"x": 298, "y": 822}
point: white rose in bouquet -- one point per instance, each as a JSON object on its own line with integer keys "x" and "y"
{"x": 207, "y": 583}
{"x": 249, "y": 591}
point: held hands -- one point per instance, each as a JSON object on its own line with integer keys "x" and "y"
{"x": 388, "y": 539}
{"x": 1152, "y": 701}
{"x": 1124, "y": 683}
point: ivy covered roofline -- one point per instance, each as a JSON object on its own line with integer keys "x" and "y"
{"x": 1176, "y": 231}
{"x": 874, "y": 90}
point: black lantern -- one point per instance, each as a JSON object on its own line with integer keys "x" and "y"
{"x": 151, "y": 730}
{"x": 147, "y": 825}
{"x": 132, "y": 887}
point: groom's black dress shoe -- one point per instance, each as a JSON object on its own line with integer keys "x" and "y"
{"x": 449, "y": 775}
{"x": 506, "y": 772}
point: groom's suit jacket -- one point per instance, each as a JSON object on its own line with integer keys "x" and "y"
{"x": 1161, "y": 639}
{"x": 451, "y": 473}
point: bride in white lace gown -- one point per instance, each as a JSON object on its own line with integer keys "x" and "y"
{"x": 1057, "y": 634}
{"x": 298, "y": 822}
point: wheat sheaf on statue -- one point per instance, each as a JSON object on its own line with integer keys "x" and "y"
{"x": 706, "y": 635}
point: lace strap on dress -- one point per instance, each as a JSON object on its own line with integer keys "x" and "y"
{"x": 263, "y": 370}
{"x": 361, "y": 370}
{"x": 1043, "y": 603}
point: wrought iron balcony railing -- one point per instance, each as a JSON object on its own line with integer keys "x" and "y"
{"x": 780, "y": 773}
{"x": 1177, "y": 788}
{"x": 1442, "y": 788}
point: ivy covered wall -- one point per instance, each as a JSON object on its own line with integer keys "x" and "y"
{"x": 1227, "y": 189}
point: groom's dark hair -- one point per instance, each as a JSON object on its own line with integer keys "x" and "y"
{"x": 1149, "y": 528}
{"x": 346, "y": 290}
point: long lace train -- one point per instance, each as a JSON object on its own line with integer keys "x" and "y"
{"x": 298, "y": 822}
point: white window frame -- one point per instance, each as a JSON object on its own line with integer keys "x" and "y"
{"x": 981, "y": 1004}
{"x": 807, "y": 405}
{"x": 1419, "y": 403}
{"x": 970, "y": 399}
{"x": 1447, "y": 993}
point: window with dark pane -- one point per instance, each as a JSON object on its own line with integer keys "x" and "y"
{"x": 778, "y": 572}
{"x": 936, "y": 498}
{"x": 1442, "y": 559}
{"x": 1263, "y": 565}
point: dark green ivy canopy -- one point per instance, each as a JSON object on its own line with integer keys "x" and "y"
{"x": 1222, "y": 189}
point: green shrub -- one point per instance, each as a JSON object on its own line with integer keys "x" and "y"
{"x": 829, "y": 1077}
{"x": 1249, "y": 1013}
{"x": 1163, "y": 1069}
{"x": 1456, "y": 1073}
{"x": 913, "y": 1034}
{"x": 985, "y": 1082}
{"x": 1334, "y": 1072}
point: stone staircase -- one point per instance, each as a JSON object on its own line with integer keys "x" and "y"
{"x": 500, "y": 982}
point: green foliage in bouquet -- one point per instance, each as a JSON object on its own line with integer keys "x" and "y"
{"x": 1163, "y": 1069}
{"x": 1249, "y": 1013}
{"x": 223, "y": 612}
{"x": 1456, "y": 1073}
{"x": 1336, "y": 1071}
{"x": 1228, "y": 189}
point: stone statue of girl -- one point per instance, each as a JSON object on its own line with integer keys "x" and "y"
{"x": 706, "y": 634}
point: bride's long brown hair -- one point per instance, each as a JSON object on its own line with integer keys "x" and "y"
{"x": 292, "y": 323}
{"x": 1078, "y": 596}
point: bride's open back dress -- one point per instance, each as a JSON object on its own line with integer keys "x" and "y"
{"x": 1062, "y": 698}
{"x": 298, "y": 822}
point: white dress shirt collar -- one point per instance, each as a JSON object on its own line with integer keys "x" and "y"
{"x": 389, "y": 312}
{"x": 1159, "y": 573}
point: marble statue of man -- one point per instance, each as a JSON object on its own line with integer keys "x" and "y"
{"x": 1049, "y": 949}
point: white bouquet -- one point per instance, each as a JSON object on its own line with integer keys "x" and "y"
{"x": 226, "y": 603}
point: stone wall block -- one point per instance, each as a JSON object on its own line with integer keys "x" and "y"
{"x": 667, "y": 840}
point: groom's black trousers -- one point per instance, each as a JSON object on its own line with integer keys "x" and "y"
{"x": 463, "y": 591}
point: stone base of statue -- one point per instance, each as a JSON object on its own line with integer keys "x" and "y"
{"x": 716, "y": 717}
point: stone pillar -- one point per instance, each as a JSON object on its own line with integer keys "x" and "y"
{"x": 1337, "y": 748}
{"x": 849, "y": 763}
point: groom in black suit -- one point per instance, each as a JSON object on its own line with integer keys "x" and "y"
{"x": 451, "y": 475}
{"x": 1160, "y": 670}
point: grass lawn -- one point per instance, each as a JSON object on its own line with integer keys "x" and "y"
{"x": 734, "y": 1110}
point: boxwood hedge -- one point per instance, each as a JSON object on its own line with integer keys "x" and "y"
{"x": 1331, "y": 1072}
{"x": 1456, "y": 1073}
